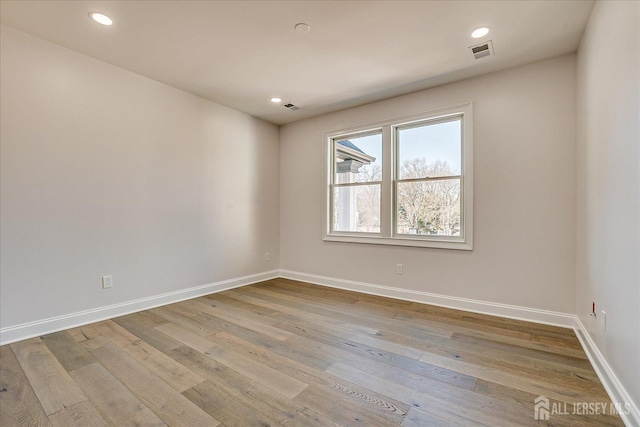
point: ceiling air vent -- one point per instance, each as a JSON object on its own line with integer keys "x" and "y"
{"x": 481, "y": 50}
{"x": 291, "y": 107}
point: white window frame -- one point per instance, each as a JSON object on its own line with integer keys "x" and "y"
{"x": 388, "y": 220}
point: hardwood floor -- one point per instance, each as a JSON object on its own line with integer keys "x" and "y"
{"x": 285, "y": 353}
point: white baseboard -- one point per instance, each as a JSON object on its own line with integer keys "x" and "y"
{"x": 617, "y": 393}
{"x": 46, "y": 326}
{"x": 564, "y": 320}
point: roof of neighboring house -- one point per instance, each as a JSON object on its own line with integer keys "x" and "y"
{"x": 346, "y": 149}
{"x": 351, "y": 145}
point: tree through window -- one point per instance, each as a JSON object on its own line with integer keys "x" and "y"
{"x": 428, "y": 178}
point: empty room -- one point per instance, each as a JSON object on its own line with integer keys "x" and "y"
{"x": 319, "y": 213}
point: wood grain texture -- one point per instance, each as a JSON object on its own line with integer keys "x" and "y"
{"x": 172, "y": 372}
{"x": 66, "y": 349}
{"x": 83, "y": 333}
{"x": 18, "y": 403}
{"x": 248, "y": 391}
{"x": 287, "y": 353}
{"x": 80, "y": 414}
{"x": 112, "y": 399}
{"x": 50, "y": 381}
{"x": 224, "y": 406}
{"x": 265, "y": 375}
{"x": 142, "y": 325}
{"x": 164, "y": 401}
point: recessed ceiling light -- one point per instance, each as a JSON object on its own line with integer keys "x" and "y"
{"x": 101, "y": 18}
{"x": 302, "y": 28}
{"x": 276, "y": 100}
{"x": 480, "y": 32}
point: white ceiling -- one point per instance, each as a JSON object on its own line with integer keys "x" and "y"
{"x": 241, "y": 53}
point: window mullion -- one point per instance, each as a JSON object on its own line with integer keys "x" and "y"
{"x": 386, "y": 196}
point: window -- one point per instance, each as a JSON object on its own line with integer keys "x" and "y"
{"x": 403, "y": 182}
{"x": 356, "y": 184}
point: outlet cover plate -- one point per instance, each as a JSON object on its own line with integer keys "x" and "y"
{"x": 107, "y": 282}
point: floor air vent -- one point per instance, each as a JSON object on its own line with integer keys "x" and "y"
{"x": 291, "y": 107}
{"x": 482, "y": 50}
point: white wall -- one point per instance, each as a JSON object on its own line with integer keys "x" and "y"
{"x": 524, "y": 190}
{"x": 107, "y": 172}
{"x": 608, "y": 185}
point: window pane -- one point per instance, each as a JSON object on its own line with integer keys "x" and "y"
{"x": 431, "y": 150}
{"x": 358, "y": 159}
{"x": 429, "y": 207}
{"x": 357, "y": 208}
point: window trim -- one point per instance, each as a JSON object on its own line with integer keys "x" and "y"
{"x": 388, "y": 187}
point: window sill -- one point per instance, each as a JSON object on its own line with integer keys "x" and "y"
{"x": 399, "y": 241}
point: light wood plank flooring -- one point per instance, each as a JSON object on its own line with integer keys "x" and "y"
{"x": 286, "y": 353}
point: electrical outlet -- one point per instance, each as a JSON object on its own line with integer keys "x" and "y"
{"x": 602, "y": 321}
{"x": 107, "y": 282}
{"x": 399, "y": 269}
{"x": 267, "y": 256}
